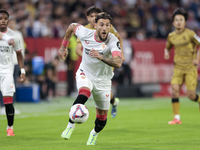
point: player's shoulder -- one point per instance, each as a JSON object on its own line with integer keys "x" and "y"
{"x": 10, "y": 32}
{"x": 189, "y": 31}
{"x": 173, "y": 33}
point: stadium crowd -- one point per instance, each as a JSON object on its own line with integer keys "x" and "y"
{"x": 142, "y": 19}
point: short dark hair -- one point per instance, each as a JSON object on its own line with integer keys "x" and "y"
{"x": 180, "y": 11}
{"x": 93, "y": 9}
{"x": 4, "y": 11}
{"x": 102, "y": 15}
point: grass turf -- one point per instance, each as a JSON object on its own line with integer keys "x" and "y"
{"x": 141, "y": 124}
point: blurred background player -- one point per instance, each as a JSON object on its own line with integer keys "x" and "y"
{"x": 91, "y": 15}
{"x": 9, "y": 42}
{"x": 12, "y": 25}
{"x": 95, "y": 71}
{"x": 185, "y": 42}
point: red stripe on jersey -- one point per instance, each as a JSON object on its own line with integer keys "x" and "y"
{"x": 116, "y": 53}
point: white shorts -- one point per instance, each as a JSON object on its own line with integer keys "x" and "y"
{"x": 7, "y": 86}
{"x": 101, "y": 97}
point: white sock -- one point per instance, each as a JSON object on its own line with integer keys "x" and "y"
{"x": 9, "y": 127}
{"x": 71, "y": 125}
{"x": 177, "y": 117}
{"x": 93, "y": 132}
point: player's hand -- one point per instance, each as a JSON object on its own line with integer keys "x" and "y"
{"x": 167, "y": 56}
{"x": 195, "y": 62}
{"x": 96, "y": 54}
{"x": 11, "y": 42}
{"x": 22, "y": 77}
{"x": 63, "y": 53}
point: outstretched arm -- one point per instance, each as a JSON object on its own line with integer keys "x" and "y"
{"x": 68, "y": 34}
{"x": 115, "y": 61}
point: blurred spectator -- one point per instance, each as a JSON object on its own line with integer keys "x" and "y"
{"x": 51, "y": 77}
{"x": 46, "y": 18}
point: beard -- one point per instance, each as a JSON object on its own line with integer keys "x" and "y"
{"x": 101, "y": 38}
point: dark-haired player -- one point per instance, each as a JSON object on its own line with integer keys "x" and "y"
{"x": 9, "y": 43}
{"x": 101, "y": 52}
{"x": 91, "y": 15}
{"x": 185, "y": 42}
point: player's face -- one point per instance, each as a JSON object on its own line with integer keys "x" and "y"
{"x": 3, "y": 21}
{"x": 103, "y": 27}
{"x": 179, "y": 22}
{"x": 91, "y": 19}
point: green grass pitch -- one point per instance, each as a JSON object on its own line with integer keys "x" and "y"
{"x": 141, "y": 124}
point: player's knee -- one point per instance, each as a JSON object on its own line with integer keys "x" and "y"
{"x": 175, "y": 92}
{"x": 191, "y": 96}
{"x": 84, "y": 91}
{"x": 8, "y": 100}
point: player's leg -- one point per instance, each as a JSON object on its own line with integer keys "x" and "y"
{"x": 102, "y": 103}
{"x": 85, "y": 86}
{"x": 191, "y": 84}
{"x": 8, "y": 89}
{"x": 175, "y": 104}
{"x": 176, "y": 82}
{"x": 114, "y": 101}
{"x": 10, "y": 111}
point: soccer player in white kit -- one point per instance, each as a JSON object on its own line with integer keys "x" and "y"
{"x": 101, "y": 52}
{"x": 9, "y": 43}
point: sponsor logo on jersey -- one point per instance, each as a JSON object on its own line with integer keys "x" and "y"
{"x": 87, "y": 51}
{"x": 86, "y": 42}
{"x": 4, "y": 48}
{"x": 107, "y": 95}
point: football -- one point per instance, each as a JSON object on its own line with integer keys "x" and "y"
{"x": 78, "y": 113}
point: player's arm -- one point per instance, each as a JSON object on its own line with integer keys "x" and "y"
{"x": 79, "y": 51}
{"x": 197, "y": 60}
{"x": 68, "y": 34}
{"x": 20, "y": 60}
{"x": 121, "y": 45}
{"x": 115, "y": 61}
{"x": 196, "y": 40}
{"x": 167, "y": 49}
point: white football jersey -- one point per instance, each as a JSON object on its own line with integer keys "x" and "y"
{"x": 95, "y": 69}
{"x": 6, "y": 52}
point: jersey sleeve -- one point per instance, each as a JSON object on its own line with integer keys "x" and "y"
{"x": 168, "y": 43}
{"x": 113, "y": 31}
{"x": 195, "y": 38}
{"x": 18, "y": 45}
{"x": 81, "y": 31}
{"x": 115, "y": 47}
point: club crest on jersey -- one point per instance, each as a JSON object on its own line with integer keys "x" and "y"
{"x": 103, "y": 46}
